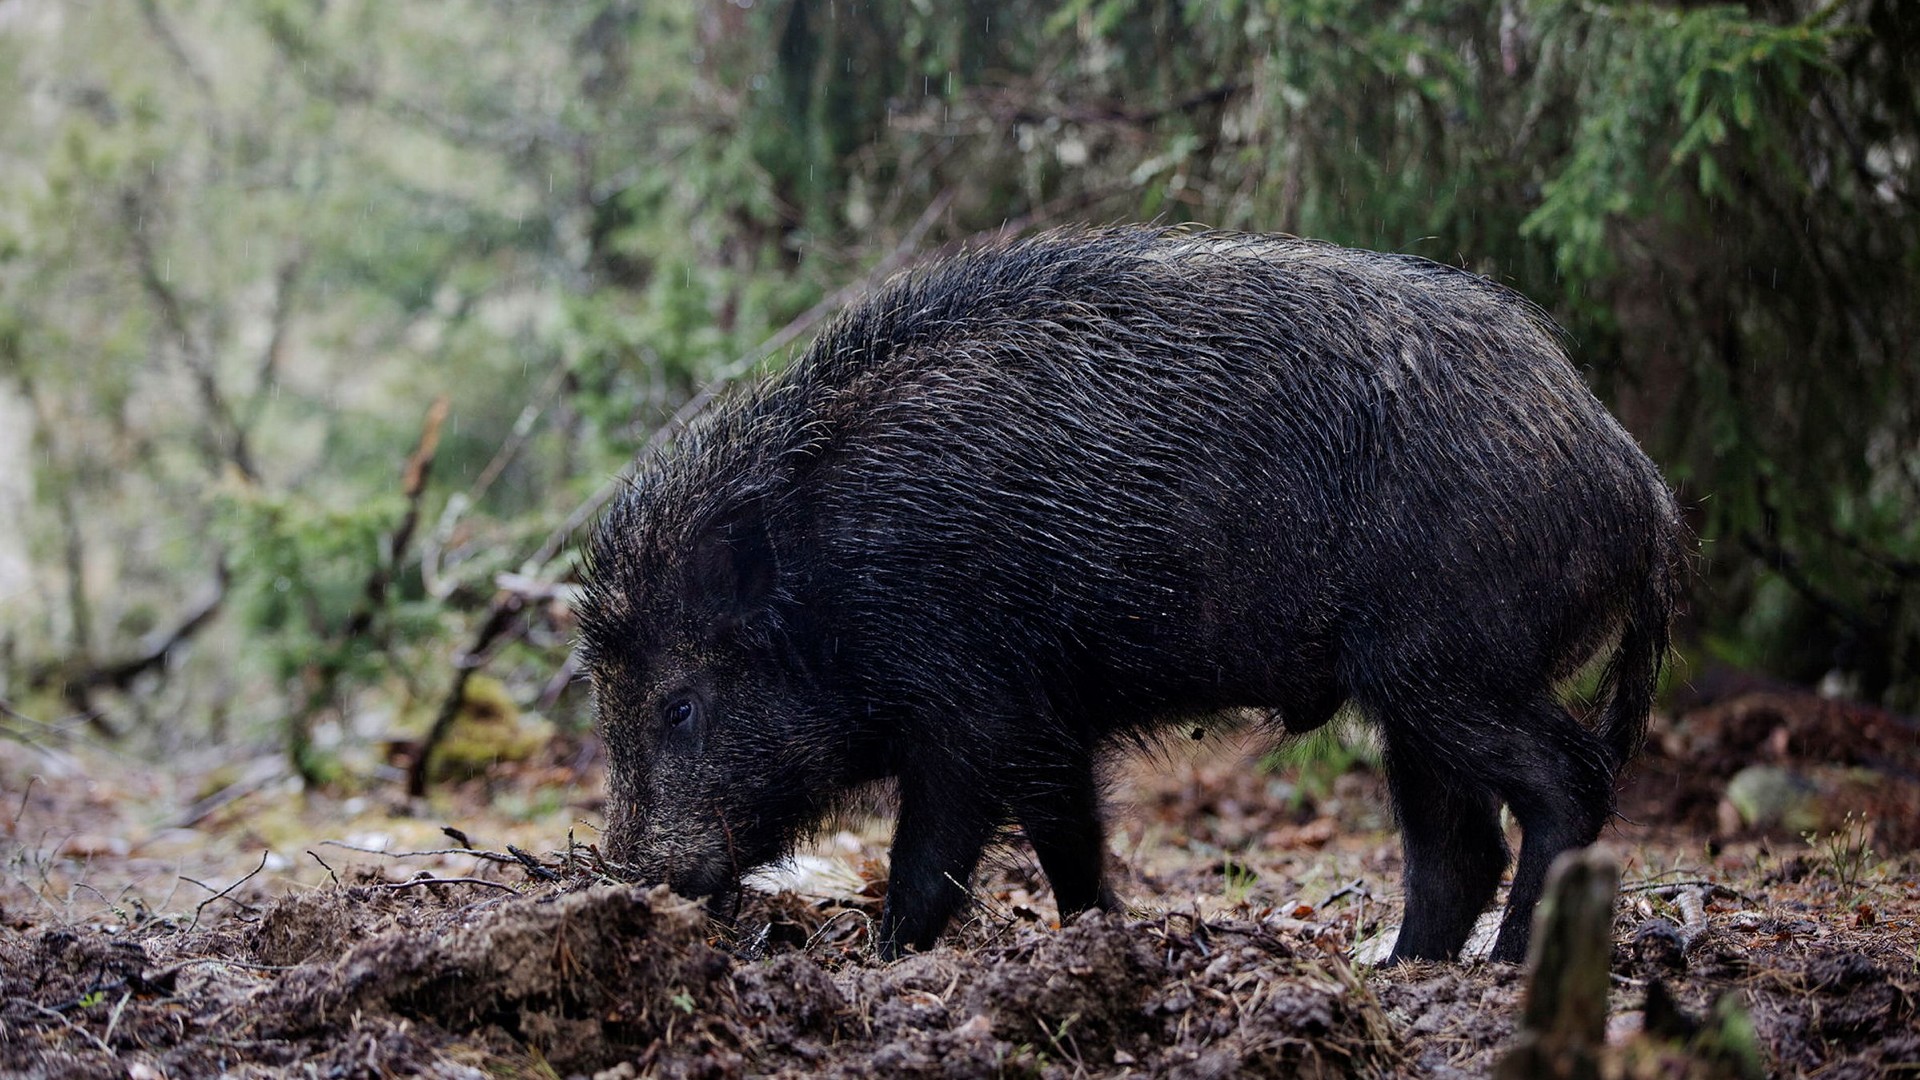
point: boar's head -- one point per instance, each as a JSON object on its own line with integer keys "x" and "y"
{"x": 718, "y": 757}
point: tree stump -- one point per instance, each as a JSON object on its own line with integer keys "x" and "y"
{"x": 1563, "y": 1030}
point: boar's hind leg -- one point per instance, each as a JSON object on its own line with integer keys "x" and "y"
{"x": 944, "y": 824}
{"x": 1063, "y": 825}
{"x": 1557, "y": 778}
{"x": 1454, "y": 850}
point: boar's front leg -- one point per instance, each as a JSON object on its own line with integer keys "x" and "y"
{"x": 1061, "y": 818}
{"x": 945, "y": 822}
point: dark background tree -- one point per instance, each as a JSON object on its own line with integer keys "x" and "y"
{"x": 244, "y": 247}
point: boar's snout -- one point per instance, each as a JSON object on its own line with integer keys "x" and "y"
{"x": 644, "y": 853}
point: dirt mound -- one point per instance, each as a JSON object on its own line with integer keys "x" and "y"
{"x": 1845, "y": 1002}
{"x": 369, "y": 981}
{"x": 1778, "y": 761}
{"x": 1170, "y": 997}
{"x": 583, "y": 979}
{"x": 400, "y": 967}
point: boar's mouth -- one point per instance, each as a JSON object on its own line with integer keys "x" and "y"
{"x": 712, "y": 879}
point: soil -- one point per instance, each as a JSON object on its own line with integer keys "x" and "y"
{"x": 1260, "y": 902}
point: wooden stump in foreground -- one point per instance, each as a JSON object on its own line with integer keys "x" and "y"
{"x": 1564, "y": 1028}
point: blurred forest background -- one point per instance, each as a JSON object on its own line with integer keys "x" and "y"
{"x": 325, "y": 324}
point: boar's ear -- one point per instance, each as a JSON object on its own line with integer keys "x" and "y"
{"x": 734, "y": 567}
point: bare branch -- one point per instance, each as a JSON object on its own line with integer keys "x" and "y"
{"x": 415, "y": 882}
{"x": 413, "y": 483}
{"x": 157, "y": 648}
{"x": 79, "y": 678}
{"x": 193, "y": 352}
{"x": 222, "y": 894}
{"x": 267, "y": 371}
{"x": 162, "y": 29}
{"x": 502, "y": 614}
{"x": 522, "y": 430}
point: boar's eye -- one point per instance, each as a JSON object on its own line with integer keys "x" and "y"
{"x": 680, "y": 713}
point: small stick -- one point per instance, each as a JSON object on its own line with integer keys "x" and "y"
{"x": 113, "y": 1020}
{"x": 324, "y": 866}
{"x": 22, "y": 812}
{"x": 1356, "y": 887}
{"x": 534, "y": 866}
{"x": 104, "y": 1048}
{"x": 491, "y": 856}
{"x": 223, "y": 892}
{"x": 410, "y": 883}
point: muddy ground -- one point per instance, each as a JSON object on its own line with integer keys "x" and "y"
{"x": 180, "y": 922}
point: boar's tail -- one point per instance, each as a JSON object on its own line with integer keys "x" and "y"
{"x": 1632, "y": 676}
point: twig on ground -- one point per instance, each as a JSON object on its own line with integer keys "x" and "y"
{"x": 113, "y": 1018}
{"x": 1656, "y": 886}
{"x": 323, "y": 865}
{"x": 222, "y": 894}
{"x": 25, "y": 793}
{"x": 110, "y": 905}
{"x": 1693, "y": 916}
{"x": 490, "y": 856}
{"x": 224, "y": 962}
{"x": 815, "y": 937}
{"x": 533, "y": 865}
{"x": 104, "y": 1048}
{"x": 410, "y": 883}
{"x": 239, "y": 789}
{"x": 1669, "y": 889}
{"x": 1356, "y": 887}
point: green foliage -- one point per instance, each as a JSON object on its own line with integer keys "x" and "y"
{"x": 1319, "y": 758}
{"x": 1664, "y": 89}
{"x": 1237, "y": 880}
{"x": 1848, "y": 851}
{"x": 301, "y": 571}
{"x": 242, "y": 246}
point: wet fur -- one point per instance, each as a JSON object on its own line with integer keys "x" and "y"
{"x": 1056, "y": 495}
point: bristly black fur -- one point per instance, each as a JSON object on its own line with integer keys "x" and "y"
{"x": 1052, "y": 495}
